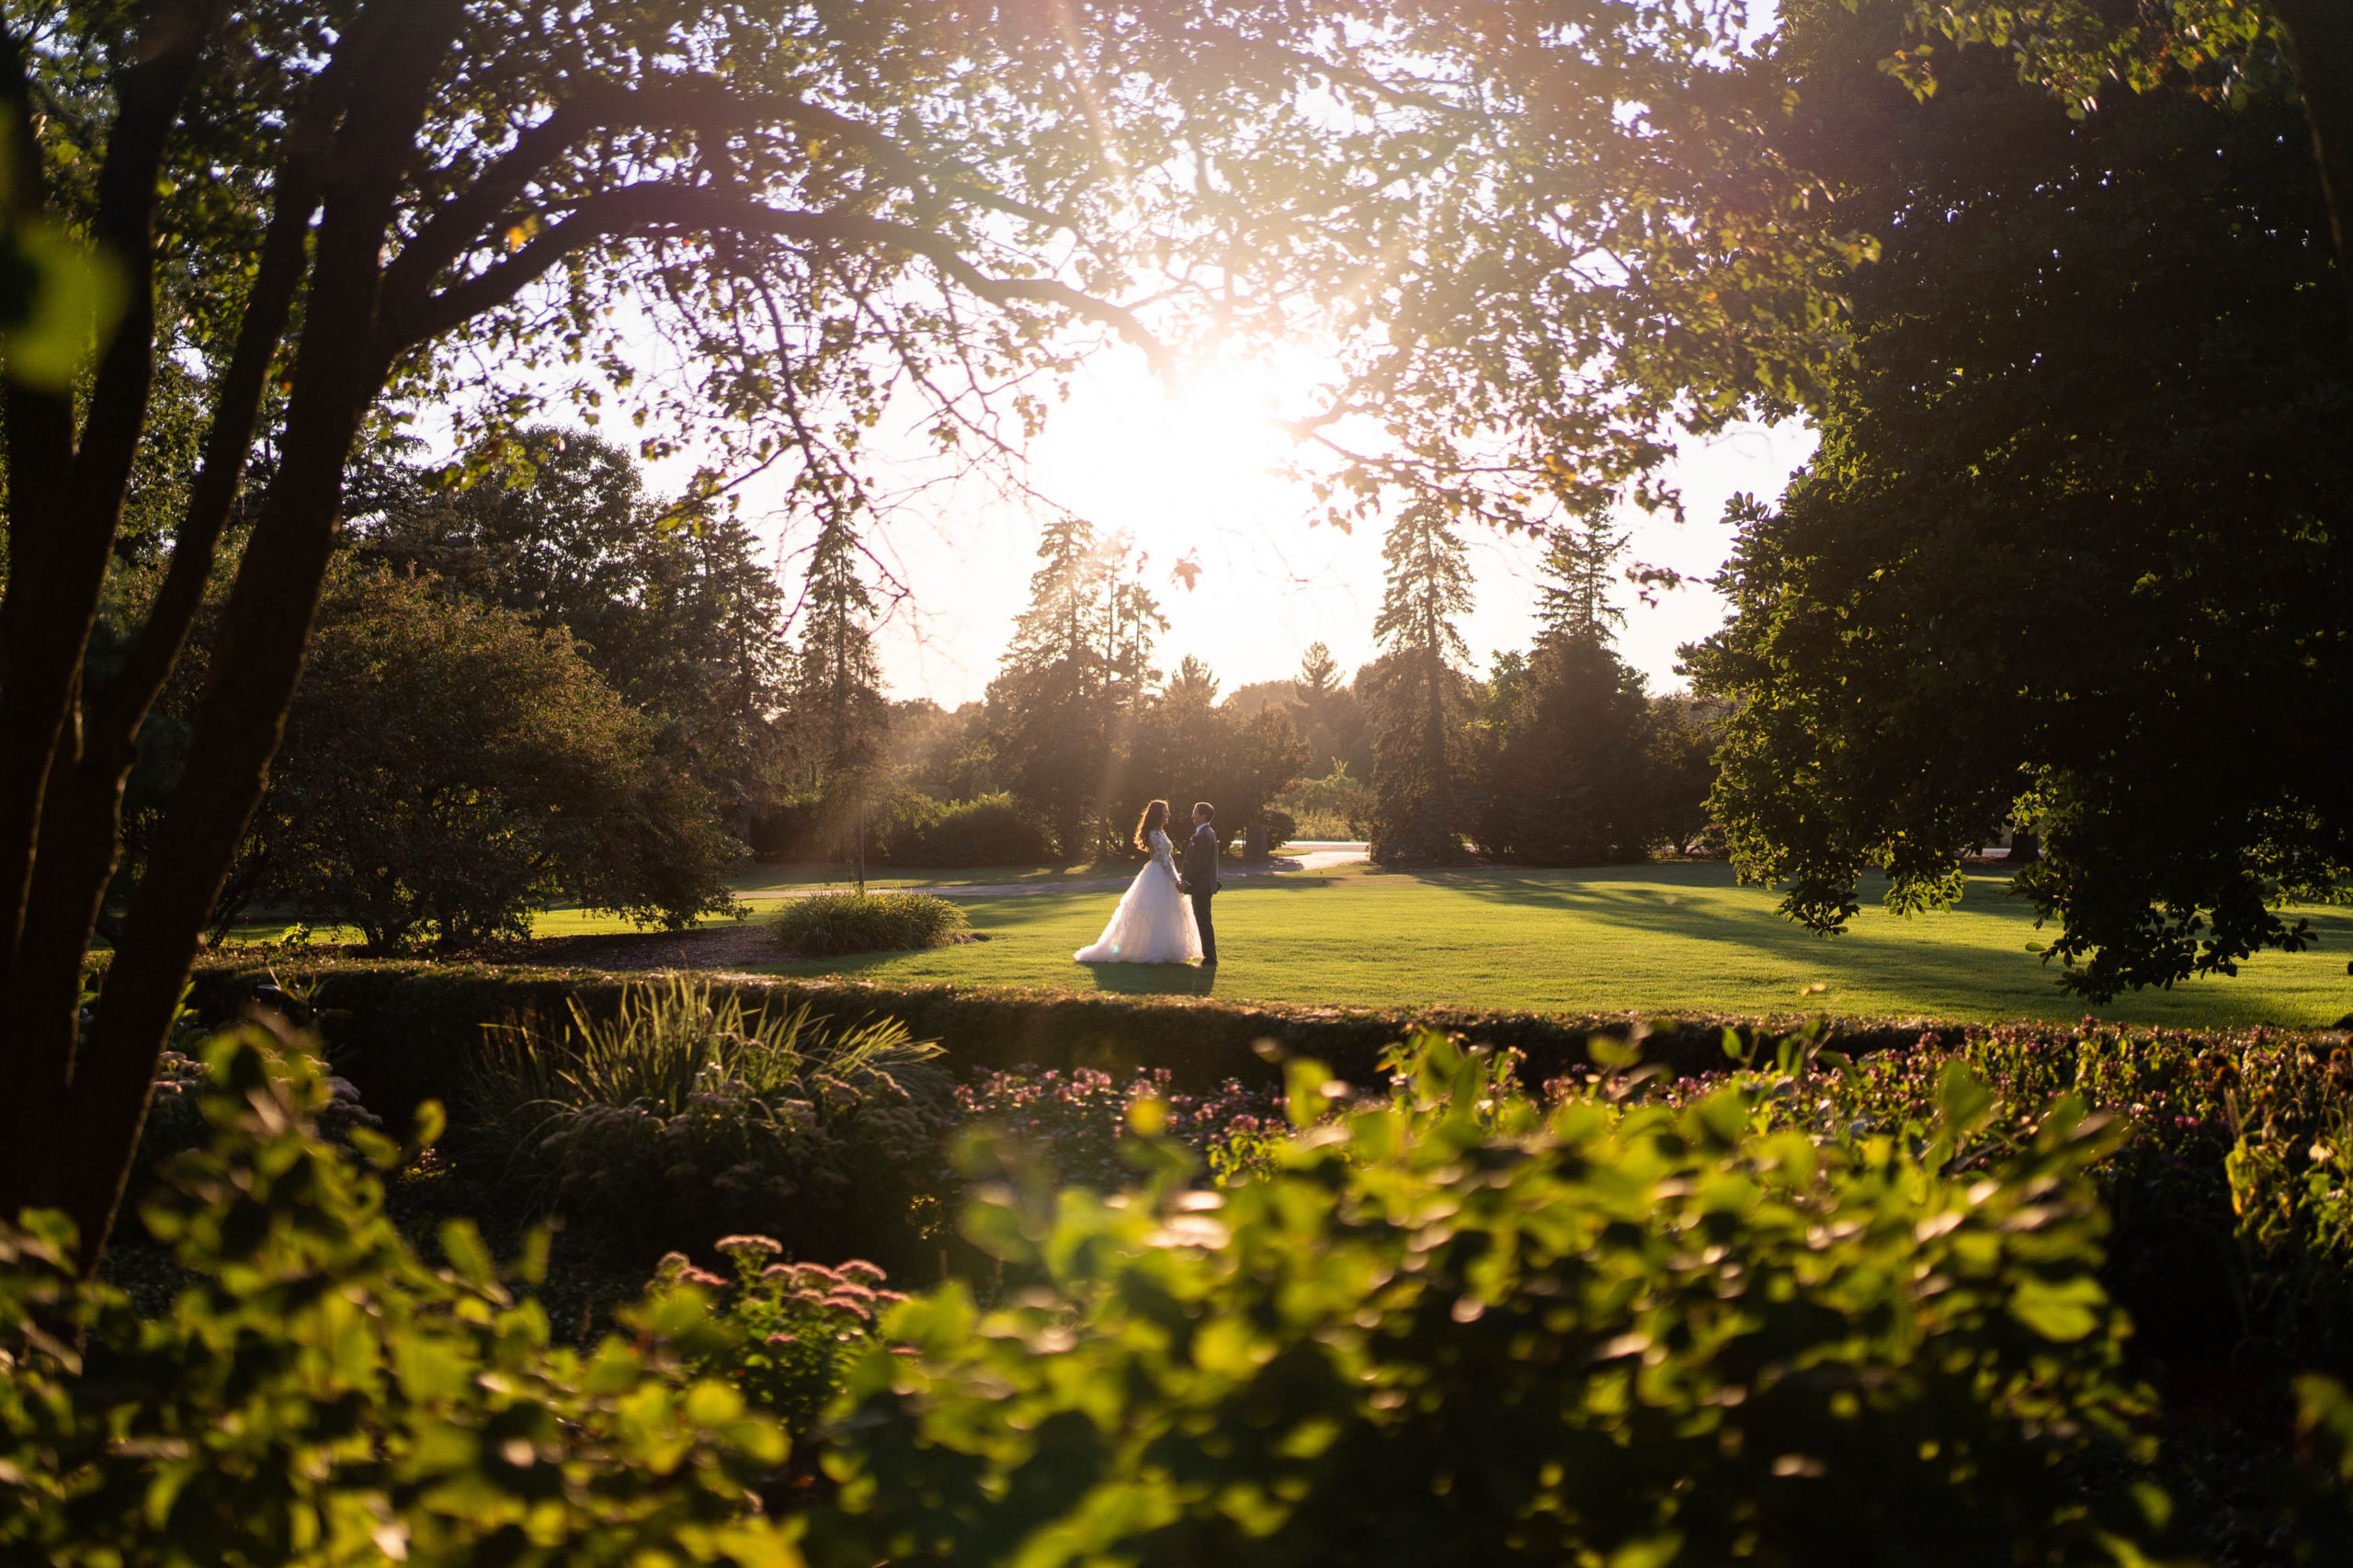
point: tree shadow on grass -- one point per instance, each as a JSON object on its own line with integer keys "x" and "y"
{"x": 1632, "y": 898}
{"x": 1152, "y": 979}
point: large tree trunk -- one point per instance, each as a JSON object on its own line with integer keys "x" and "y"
{"x": 2319, "y": 36}
{"x": 49, "y": 881}
{"x": 79, "y": 1160}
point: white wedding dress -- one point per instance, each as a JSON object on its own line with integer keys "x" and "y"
{"x": 1154, "y": 921}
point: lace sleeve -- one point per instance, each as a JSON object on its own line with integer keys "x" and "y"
{"x": 1161, "y": 852}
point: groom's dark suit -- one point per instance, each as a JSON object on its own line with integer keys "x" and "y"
{"x": 1200, "y": 885}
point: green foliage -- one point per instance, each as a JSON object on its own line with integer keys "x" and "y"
{"x": 797, "y": 1326}
{"x": 2234, "y": 1235}
{"x": 1336, "y": 805}
{"x": 1416, "y": 696}
{"x": 1458, "y": 1326}
{"x": 683, "y": 1115}
{"x": 993, "y": 830}
{"x": 1186, "y": 747}
{"x": 1330, "y": 719}
{"x": 830, "y": 925}
{"x": 448, "y": 767}
{"x": 1079, "y": 660}
{"x": 2069, "y": 553}
{"x": 670, "y": 603}
{"x": 316, "y": 1394}
{"x": 1560, "y": 759}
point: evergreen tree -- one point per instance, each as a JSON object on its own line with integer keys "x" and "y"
{"x": 1319, "y": 675}
{"x": 1194, "y": 682}
{"x": 1580, "y": 563}
{"x": 1080, "y": 657}
{"x": 1420, "y": 693}
{"x": 1562, "y": 748}
{"x": 1135, "y": 621}
{"x": 837, "y": 692}
{"x": 1326, "y": 712}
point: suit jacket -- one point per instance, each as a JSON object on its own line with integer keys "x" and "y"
{"x": 1201, "y": 861}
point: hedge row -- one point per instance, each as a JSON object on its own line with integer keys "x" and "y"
{"x": 403, "y": 1030}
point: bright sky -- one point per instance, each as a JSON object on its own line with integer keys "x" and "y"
{"x": 1187, "y": 471}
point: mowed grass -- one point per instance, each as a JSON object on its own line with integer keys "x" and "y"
{"x": 1657, "y": 938}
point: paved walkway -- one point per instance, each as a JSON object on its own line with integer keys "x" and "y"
{"x": 745, "y": 943}
{"x": 1310, "y": 857}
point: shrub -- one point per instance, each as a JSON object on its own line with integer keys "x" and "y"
{"x": 990, "y": 830}
{"x": 316, "y": 1394}
{"x": 1457, "y": 1327}
{"x": 834, "y": 925}
{"x": 2235, "y": 1227}
{"x": 448, "y": 768}
{"x": 1078, "y": 1123}
{"x": 682, "y": 1116}
{"x": 797, "y": 1326}
{"x": 1335, "y": 806}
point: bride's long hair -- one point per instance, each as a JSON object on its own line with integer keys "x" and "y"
{"x": 1155, "y": 815}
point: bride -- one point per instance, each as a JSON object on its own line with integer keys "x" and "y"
{"x": 1154, "y": 921}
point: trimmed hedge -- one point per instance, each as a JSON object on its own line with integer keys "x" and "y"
{"x": 403, "y": 1030}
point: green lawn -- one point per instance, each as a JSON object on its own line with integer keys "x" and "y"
{"x": 1653, "y": 938}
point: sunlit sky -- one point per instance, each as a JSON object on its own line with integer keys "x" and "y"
{"x": 1187, "y": 469}
{"x": 1187, "y": 466}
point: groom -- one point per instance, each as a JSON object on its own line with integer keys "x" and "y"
{"x": 1199, "y": 881}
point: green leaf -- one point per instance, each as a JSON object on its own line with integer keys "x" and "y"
{"x": 1963, "y": 1099}
{"x": 2064, "y": 1313}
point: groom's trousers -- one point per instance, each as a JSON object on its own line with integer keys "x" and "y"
{"x": 1208, "y": 931}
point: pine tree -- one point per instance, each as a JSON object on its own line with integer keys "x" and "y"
{"x": 1560, "y": 752}
{"x": 1194, "y": 682}
{"x": 1575, "y": 602}
{"x": 838, "y": 685}
{"x": 1420, "y": 690}
{"x": 1319, "y": 676}
{"x": 1135, "y": 622}
{"x": 1079, "y": 659}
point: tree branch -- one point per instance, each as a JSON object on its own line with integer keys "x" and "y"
{"x": 659, "y": 208}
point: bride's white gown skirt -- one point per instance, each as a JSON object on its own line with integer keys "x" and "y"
{"x": 1153, "y": 924}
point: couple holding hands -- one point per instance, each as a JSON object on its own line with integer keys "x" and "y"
{"x": 1164, "y": 917}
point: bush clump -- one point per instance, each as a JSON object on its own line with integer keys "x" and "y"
{"x": 797, "y": 1326}
{"x": 315, "y": 1393}
{"x": 992, "y": 830}
{"x": 1456, "y": 1325}
{"x": 833, "y": 924}
{"x": 682, "y": 1118}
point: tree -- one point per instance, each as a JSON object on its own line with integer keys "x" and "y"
{"x": 1187, "y": 747}
{"x": 448, "y": 767}
{"x": 1077, "y": 680}
{"x": 1194, "y": 683}
{"x": 1419, "y": 693}
{"x": 1328, "y": 715}
{"x": 1684, "y": 733}
{"x": 837, "y": 688}
{"x": 2071, "y": 552}
{"x": 2218, "y": 49}
{"x": 670, "y": 603}
{"x": 1050, "y": 712}
{"x": 1580, "y": 560}
{"x": 1562, "y": 744}
{"x": 1319, "y": 675}
{"x": 315, "y": 199}
{"x": 317, "y": 203}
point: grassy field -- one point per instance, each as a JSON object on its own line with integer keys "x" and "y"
{"x": 1654, "y": 938}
